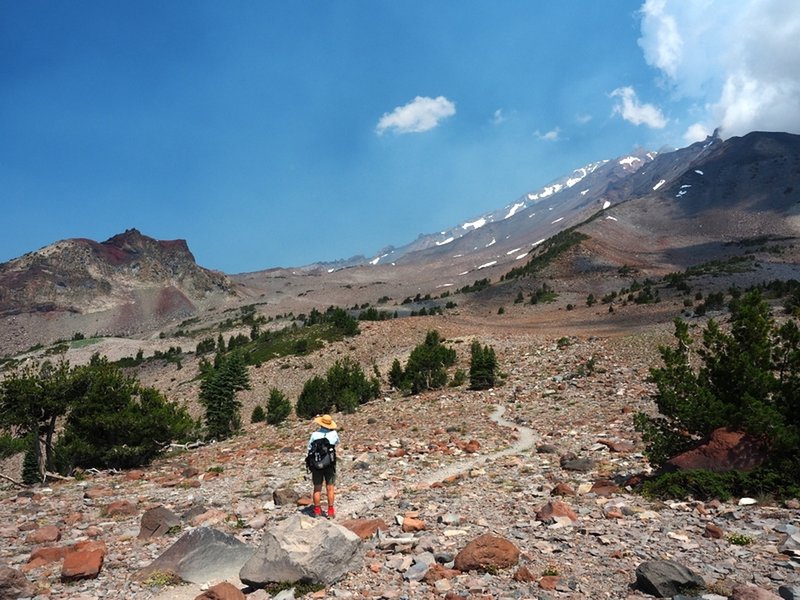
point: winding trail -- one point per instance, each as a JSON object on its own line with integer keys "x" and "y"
{"x": 527, "y": 438}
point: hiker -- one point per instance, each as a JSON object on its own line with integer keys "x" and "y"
{"x": 326, "y": 431}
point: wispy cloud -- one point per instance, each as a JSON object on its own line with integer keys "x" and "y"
{"x": 583, "y": 118}
{"x": 421, "y": 114}
{"x": 498, "y": 117}
{"x": 738, "y": 60}
{"x": 632, "y": 110}
{"x": 551, "y": 136}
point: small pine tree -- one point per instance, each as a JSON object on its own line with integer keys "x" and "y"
{"x": 396, "y": 375}
{"x": 218, "y": 395}
{"x": 258, "y": 415}
{"x": 314, "y": 398}
{"x": 483, "y": 367}
{"x": 427, "y": 364}
{"x": 30, "y": 464}
{"x": 278, "y": 407}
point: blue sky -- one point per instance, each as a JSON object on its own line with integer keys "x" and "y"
{"x": 281, "y": 133}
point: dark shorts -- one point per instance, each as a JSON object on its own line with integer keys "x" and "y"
{"x": 328, "y": 474}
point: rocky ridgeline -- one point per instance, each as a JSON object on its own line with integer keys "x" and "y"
{"x": 447, "y": 502}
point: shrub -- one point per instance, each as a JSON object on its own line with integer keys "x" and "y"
{"x": 314, "y": 398}
{"x": 278, "y": 407}
{"x": 482, "y": 367}
{"x": 258, "y": 415}
{"x": 218, "y": 395}
{"x": 30, "y": 464}
{"x": 426, "y": 366}
{"x": 115, "y": 423}
{"x": 396, "y": 374}
{"x": 748, "y": 379}
{"x": 459, "y": 378}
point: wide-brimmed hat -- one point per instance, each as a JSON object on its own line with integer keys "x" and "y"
{"x": 325, "y": 421}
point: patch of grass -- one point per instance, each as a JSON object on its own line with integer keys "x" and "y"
{"x": 740, "y": 539}
{"x": 162, "y": 579}
{"x": 551, "y": 570}
{"x": 300, "y": 588}
{"x": 547, "y": 252}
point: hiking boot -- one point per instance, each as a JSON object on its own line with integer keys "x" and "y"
{"x": 317, "y": 512}
{"x": 331, "y": 512}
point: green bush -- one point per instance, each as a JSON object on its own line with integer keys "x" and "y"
{"x": 427, "y": 364}
{"x": 30, "y": 464}
{"x": 116, "y": 423}
{"x": 258, "y": 415}
{"x": 748, "y": 380}
{"x": 278, "y": 407}
{"x": 482, "y": 367}
{"x": 344, "y": 387}
{"x": 218, "y": 394}
{"x": 314, "y": 398}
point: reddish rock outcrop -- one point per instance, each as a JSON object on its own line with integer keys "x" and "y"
{"x": 365, "y": 528}
{"x": 723, "y": 451}
{"x": 487, "y": 552}
{"x": 553, "y": 509}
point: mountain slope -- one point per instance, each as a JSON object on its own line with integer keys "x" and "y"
{"x": 128, "y": 283}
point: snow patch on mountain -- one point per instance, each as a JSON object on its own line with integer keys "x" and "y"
{"x": 606, "y": 204}
{"x": 474, "y": 224}
{"x": 447, "y": 241}
{"x": 630, "y": 161}
{"x": 659, "y": 184}
{"x": 514, "y": 209}
{"x": 489, "y": 264}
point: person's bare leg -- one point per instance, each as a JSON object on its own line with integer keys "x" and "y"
{"x": 317, "y": 498}
{"x": 331, "y": 492}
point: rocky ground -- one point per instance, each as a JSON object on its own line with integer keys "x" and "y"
{"x": 439, "y": 471}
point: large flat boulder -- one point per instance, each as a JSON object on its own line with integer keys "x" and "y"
{"x": 202, "y": 555}
{"x": 303, "y": 549}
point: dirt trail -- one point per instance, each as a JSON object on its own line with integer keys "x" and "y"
{"x": 356, "y": 507}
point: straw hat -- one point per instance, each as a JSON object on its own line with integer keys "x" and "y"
{"x": 325, "y": 421}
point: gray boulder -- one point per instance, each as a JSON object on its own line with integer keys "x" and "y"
{"x": 202, "y": 555}
{"x": 157, "y": 521}
{"x": 666, "y": 578}
{"x": 789, "y": 592}
{"x": 14, "y": 584}
{"x": 303, "y": 549}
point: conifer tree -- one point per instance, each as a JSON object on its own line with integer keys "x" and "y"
{"x": 218, "y": 395}
{"x": 482, "y": 367}
{"x": 278, "y": 407}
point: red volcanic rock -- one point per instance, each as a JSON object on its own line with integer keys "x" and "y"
{"x": 553, "y": 509}
{"x": 487, "y": 552}
{"x": 365, "y": 528}
{"x": 563, "y": 489}
{"x": 44, "y": 535}
{"x": 723, "y": 451}
{"x": 222, "y": 591}
{"x": 83, "y": 561}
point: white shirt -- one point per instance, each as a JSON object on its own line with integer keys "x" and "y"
{"x": 331, "y": 434}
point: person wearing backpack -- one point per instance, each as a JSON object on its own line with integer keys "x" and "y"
{"x": 321, "y": 461}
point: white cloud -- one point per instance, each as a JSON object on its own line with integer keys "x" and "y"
{"x": 583, "y": 118}
{"x": 634, "y": 111}
{"x": 696, "y": 132}
{"x": 498, "y": 117}
{"x": 740, "y": 61}
{"x": 551, "y": 136}
{"x": 421, "y": 114}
